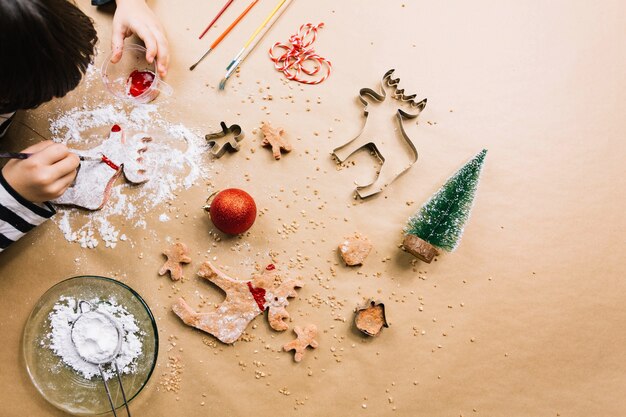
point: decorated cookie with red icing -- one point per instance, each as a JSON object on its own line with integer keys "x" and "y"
{"x": 244, "y": 301}
{"x": 115, "y": 156}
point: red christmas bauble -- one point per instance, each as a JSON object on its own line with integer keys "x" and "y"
{"x": 233, "y": 211}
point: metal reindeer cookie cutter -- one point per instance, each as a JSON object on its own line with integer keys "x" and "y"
{"x": 371, "y": 136}
{"x": 219, "y": 145}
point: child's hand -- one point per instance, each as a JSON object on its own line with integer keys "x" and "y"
{"x": 134, "y": 16}
{"x": 45, "y": 175}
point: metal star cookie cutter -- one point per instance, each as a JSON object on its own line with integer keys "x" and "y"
{"x": 372, "y": 137}
{"x": 219, "y": 146}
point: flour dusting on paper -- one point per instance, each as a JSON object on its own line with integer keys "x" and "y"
{"x": 178, "y": 160}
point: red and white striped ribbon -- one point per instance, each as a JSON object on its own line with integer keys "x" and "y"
{"x": 298, "y": 57}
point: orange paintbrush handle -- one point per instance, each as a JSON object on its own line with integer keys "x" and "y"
{"x": 232, "y": 25}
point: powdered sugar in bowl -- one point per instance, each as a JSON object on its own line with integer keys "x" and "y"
{"x": 96, "y": 335}
{"x": 133, "y": 78}
{"x": 61, "y": 332}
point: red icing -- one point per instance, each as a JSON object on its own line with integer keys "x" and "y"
{"x": 270, "y": 267}
{"x": 139, "y": 81}
{"x": 258, "y": 294}
{"x": 116, "y": 128}
{"x": 109, "y": 162}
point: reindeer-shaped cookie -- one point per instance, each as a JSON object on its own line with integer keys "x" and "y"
{"x": 378, "y": 133}
{"x": 244, "y": 301}
{"x": 92, "y": 187}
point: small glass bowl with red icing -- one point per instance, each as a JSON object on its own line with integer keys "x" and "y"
{"x": 133, "y": 78}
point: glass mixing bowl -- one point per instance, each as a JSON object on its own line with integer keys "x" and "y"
{"x": 60, "y": 384}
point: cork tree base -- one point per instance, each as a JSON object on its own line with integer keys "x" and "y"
{"x": 419, "y": 248}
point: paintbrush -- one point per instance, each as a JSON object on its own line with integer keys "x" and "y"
{"x": 249, "y": 45}
{"x": 23, "y": 155}
{"x": 223, "y": 35}
{"x": 256, "y": 32}
{"x": 228, "y": 3}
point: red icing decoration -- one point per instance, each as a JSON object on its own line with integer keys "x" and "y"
{"x": 258, "y": 294}
{"x": 139, "y": 81}
{"x": 270, "y": 267}
{"x": 233, "y": 211}
{"x": 109, "y": 162}
{"x": 116, "y": 128}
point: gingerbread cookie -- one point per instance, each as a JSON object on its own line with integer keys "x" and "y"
{"x": 244, "y": 301}
{"x": 354, "y": 249}
{"x": 177, "y": 255}
{"x": 274, "y": 139}
{"x": 92, "y": 187}
{"x": 306, "y": 337}
{"x": 371, "y": 318}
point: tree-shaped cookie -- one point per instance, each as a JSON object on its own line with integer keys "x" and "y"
{"x": 274, "y": 138}
{"x": 397, "y": 154}
{"x": 440, "y": 221}
{"x": 305, "y": 337}
{"x": 177, "y": 255}
{"x": 371, "y": 319}
{"x": 92, "y": 187}
{"x": 244, "y": 301}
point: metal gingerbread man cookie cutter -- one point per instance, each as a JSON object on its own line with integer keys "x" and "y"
{"x": 219, "y": 146}
{"x": 392, "y": 164}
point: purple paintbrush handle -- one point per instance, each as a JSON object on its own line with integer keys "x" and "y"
{"x": 15, "y": 155}
{"x": 24, "y": 155}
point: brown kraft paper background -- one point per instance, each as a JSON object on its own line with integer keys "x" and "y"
{"x": 537, "y": 282}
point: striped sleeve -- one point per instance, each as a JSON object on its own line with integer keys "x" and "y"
{"x": 18, "y": 215}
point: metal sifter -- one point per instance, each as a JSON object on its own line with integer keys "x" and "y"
{"x": 87, "y": 313}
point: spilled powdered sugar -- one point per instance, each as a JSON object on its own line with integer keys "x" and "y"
{"x": 176, "y": 158}
{"x": 59, "y": 339}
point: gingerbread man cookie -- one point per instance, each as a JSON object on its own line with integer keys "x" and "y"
{"x": 273, "y": 138}
{"x": 177, "y": 255}
{"x": 244, "y": 301}
{"x": 92, "y": 187}
{"x": 306, "y": 337}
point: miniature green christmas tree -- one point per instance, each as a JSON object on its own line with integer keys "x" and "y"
{"x": 439, "y": 223}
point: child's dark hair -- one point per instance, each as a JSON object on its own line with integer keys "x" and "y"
{"x": 45, "y": 48}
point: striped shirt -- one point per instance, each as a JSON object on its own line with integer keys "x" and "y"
{"x": 17, "y": 215}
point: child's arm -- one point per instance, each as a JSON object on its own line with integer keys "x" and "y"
{"x": 134, "y": 16}
{"x": 26, "y": 185}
